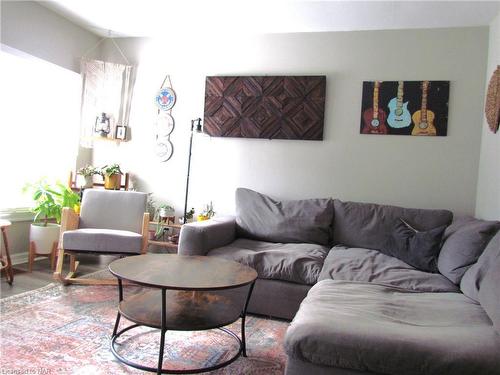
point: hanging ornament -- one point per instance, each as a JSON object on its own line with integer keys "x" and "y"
{"x": 165, "y": 100}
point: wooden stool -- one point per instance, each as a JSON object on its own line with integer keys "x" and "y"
{"x": 33, "y": 254}
{"x": 6, "y": 263}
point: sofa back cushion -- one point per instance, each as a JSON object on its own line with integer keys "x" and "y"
{"x": 262, "y": 218}
{"x": 489, "y": 293}
{"x": 472, "y": 280}
{"x": 367, "y": 225}
{"x": 464, "y": 241}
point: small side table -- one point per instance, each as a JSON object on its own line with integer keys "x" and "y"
{"x": 5, "y": 261}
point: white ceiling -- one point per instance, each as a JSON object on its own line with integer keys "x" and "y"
{"x": 168, "y": 18}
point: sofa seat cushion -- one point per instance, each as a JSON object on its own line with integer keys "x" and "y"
{"x": 298, "y": 262}
{"x": 102, "y": 240}
{"x": 389, "y": 330}
{"x": 356, "y": 264}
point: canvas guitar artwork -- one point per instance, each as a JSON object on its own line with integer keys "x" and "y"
{"x": 399, "y": 116}
{"x": 418, "y": 108}
{"x": 374, "y": 117}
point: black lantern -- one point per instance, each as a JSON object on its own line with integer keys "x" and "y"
{"x": 102, "y": 125}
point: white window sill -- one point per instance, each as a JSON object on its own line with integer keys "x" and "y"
{"x": 17, "y": 214}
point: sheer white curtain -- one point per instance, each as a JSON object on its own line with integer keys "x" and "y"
{"x": 39, "y": 118}
{"x": 106, "y": 87}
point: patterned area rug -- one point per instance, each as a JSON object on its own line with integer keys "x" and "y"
{"x": 66, "y": 330}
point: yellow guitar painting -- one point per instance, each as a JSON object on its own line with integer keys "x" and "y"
{"x": 423, "y": 119}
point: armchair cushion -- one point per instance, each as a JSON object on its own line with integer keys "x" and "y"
{"x": 109, "y": 209}
{"x": 296, "y": 262}
{"x": 102, "y": 240}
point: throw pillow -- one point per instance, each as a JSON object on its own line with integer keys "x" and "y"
{"x": 419, "y": 249}
{"x": 473, "y": 278}
{"x": 464, "y": 241}
{"x": 262, "y": 218}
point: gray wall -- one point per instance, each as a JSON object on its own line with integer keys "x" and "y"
{"x": 410, "y": 171}
{"x": 488, "y": 186}
{"x": 32, "y": 28}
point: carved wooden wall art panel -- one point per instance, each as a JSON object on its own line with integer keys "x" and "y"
{"x": 272, "y": 107}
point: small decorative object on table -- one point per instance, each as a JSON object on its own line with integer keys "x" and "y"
{"x": 207, "y": 213}
{"x": 112, "y": 175}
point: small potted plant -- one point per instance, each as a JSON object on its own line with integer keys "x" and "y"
{"x": 207, "y": 213}
{"x": 112, "y": 175}
{"x": 189, "y": 217}
{"x": 165, "y": 210}
{"x": 87, "y": 173}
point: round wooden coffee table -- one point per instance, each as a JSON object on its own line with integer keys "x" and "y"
{"x": 186, "y": 295}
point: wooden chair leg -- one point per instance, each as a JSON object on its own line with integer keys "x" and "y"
{"x": 59, "y": 266}
{"x": 53, "y": 256}
{"x": 31, "y": 256}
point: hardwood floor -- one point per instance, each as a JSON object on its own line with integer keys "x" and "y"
{"x": 25, "y": 281}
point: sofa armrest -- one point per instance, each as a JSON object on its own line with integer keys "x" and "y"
{"x": 200, "y": 237}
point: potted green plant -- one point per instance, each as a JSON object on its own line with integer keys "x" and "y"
{"x": 87, "y": 173}
{"x": 207, "y": 213}
{"x": 112, "y": 175}
{"x": 163, "y": 213}
{"x": 48, "y": 204}
{"x": 188, "y": 218}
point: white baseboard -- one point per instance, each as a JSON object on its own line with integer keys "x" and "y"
{"x": 19, "y": 258}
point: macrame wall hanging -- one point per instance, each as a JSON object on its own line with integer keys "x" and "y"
{"x": 492, "y": 106}
{"x": 165, "y": 100}
{"x": 107, "y": 90}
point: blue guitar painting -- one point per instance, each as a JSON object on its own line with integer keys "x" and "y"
{"x": 399, "y": 116}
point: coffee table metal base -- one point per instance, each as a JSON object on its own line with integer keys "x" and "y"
{"x": 205, "y": 302}
{"x": 174, "y": 371}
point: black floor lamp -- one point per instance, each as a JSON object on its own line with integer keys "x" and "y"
{"x": 195, "y": 127}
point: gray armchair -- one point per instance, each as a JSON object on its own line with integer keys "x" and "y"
{"x": 110, "y": 222}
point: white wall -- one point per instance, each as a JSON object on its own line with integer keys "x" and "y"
{"x": 488, "y": 186}
{"x": 409, "y": 171}
{"x": 32, "y": 28}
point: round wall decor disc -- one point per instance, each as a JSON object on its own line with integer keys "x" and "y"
{"x": 164, "y": 150}
{"x": 165, "y": 99}
{"x": 164, "y": 124}
{"x": 492, "y": 105}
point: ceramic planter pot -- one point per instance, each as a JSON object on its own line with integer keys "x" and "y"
{"x": 44, "y": 236}
{"x": 112, "y": 182}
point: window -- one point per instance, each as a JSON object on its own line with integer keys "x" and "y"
{"x": 39, "y": 122}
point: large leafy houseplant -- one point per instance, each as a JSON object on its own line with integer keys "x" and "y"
{"x": 49, "y": 201}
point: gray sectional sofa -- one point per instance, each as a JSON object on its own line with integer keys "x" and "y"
{"x": 371, "y": 288}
